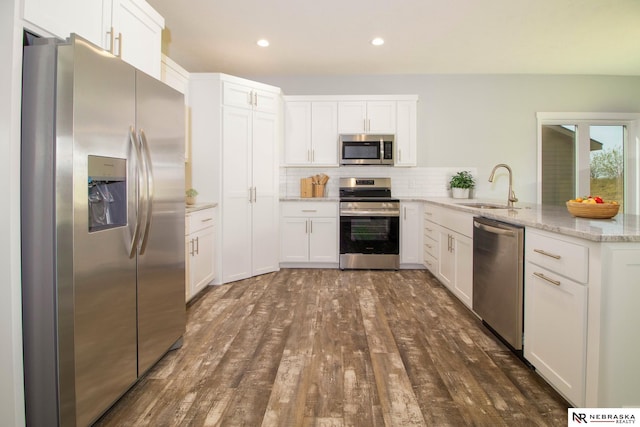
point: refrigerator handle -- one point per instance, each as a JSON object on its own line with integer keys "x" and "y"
{"x": 136, "y": 230}
{"x": 149, "y": 178}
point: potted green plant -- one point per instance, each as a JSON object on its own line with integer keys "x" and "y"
{"x": 461, "y": 183}
{"x": 191, "y": 196}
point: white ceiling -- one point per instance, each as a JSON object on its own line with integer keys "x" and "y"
{"x": 312, "y": 37}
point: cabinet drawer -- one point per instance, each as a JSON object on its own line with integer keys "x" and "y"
{"x": 431, "y": 246}
{"x": 560, "y": 256}
{"x": 309, "y": 209}
{"x": 432, "y": 213}
{"x": 431, "y": 263}
{"x": 431, "y": 230}
{"x": 200, "y": 220}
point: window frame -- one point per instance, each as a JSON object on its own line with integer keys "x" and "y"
{"x": 631, "y": 147}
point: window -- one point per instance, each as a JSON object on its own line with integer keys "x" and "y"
{"x": 583, "y": 154}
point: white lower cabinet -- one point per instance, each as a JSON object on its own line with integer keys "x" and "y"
{"x": 555, "y": 312}
{"x": 555, "y": 325}
{"x": 448, "y": 249}
{"x": 410, "y": 233}
{"x": 199, "y": 251}
{"x": 456, "y": 264}
{"x": 309, "y": 233}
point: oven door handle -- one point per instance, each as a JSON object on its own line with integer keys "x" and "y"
{"x": 361, "y": 212}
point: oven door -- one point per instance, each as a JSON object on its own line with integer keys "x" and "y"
{"x": 370, "y": 235}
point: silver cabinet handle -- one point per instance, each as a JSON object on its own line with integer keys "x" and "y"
{"x": 192, "y": 251}
{"x": 543, "y": 277}
{"x": 306, "y": 226}
{"x": 206, "y": 220}
{"x": 310, "y": 226}
{"x": 119, "y": 38}
{"x": 405, "y": 213}
{"x": 111, "y": 40}
{"x": 197, "y": 245}
{"x": 309, "y": 210}
{"x": 399, "y": 154}
{"x": 541, "y": 252}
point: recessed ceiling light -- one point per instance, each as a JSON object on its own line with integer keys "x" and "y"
{"x": 263, "y": 42}
{"x": 378, "y": 41}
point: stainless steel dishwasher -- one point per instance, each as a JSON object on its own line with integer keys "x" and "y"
{"x": 498, "y": 251}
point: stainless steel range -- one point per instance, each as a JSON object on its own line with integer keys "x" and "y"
{"x": 369, "y": 224}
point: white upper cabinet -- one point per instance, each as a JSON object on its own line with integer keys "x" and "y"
{"x": 135, "y": 35}
{"x": 311, "y": 133}
{"x": 130, "y": 29}
{"x": 63, "y": 17}
{"x": 367, "y": 116}
{"x": 313, "y": 125}
{"x": 406, "y": 133}
{"x": 174, "y": 75}
{"x": 241, "y": 96}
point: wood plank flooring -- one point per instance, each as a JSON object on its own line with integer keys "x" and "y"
{"x": 305, "y": 347}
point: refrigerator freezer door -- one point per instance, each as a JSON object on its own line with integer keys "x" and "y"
{"x": 96, "y": 123}
{"x": 161, "y": 275}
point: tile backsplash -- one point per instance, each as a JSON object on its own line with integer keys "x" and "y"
{"x": 405, "y": 182}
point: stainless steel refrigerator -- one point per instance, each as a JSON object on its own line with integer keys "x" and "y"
{"x": 102, "y": 228}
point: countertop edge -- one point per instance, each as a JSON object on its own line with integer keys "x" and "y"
{"x": 199, "y": 206}
{"x": 592, "y": 229}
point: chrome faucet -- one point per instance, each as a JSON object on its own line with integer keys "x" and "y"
{"x": 512, "y": 196}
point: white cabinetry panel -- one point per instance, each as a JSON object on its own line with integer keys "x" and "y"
{"x": 555, "y": 330}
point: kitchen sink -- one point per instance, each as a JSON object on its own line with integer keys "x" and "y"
{"x": 479, "y": 205}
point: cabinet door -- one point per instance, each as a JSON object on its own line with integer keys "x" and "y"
{"x": 265, "y": 101}
{"x": 139, "y": 28}
{"x": 237, "y": 95}
{"x": 297, "y": 133}
{"x": 324, "y": 133}
{"x": 202, "y": 260}
{"x": 381, "y": 117}
{"x": 264, "y": 178}
{"x": 236, "y": 208}
{"x": 463, "y": 255}
{"x": 352, "y": 116}
{"x": 64, "y": 17}
{"x": 323, "y": 240}
{"x": 411, "y": 234}
{"x": 446, "y": 261}
{"x": 406, "y": 134}
{"x": 294, "y": 246}
{"x": 555, "y": 330}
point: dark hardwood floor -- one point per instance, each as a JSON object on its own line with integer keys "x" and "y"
{"x": 337, "y": 348}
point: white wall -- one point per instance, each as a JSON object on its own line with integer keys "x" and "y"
{"x": 11, "y": 388}
{"x": 482, "y": 120}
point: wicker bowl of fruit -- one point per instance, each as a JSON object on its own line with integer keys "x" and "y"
{"x": 592, "y": 207}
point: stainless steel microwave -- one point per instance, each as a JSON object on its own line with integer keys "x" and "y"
{"x": 364, "y": 149}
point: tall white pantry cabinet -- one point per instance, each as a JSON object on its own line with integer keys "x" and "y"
{"x": 234, "y": 156}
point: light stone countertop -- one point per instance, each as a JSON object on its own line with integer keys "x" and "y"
{"x": 200, "y": 206}
{"x": 621, "y": 228}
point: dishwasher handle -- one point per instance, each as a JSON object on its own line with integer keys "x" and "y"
{"x": 495, "y": 230}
